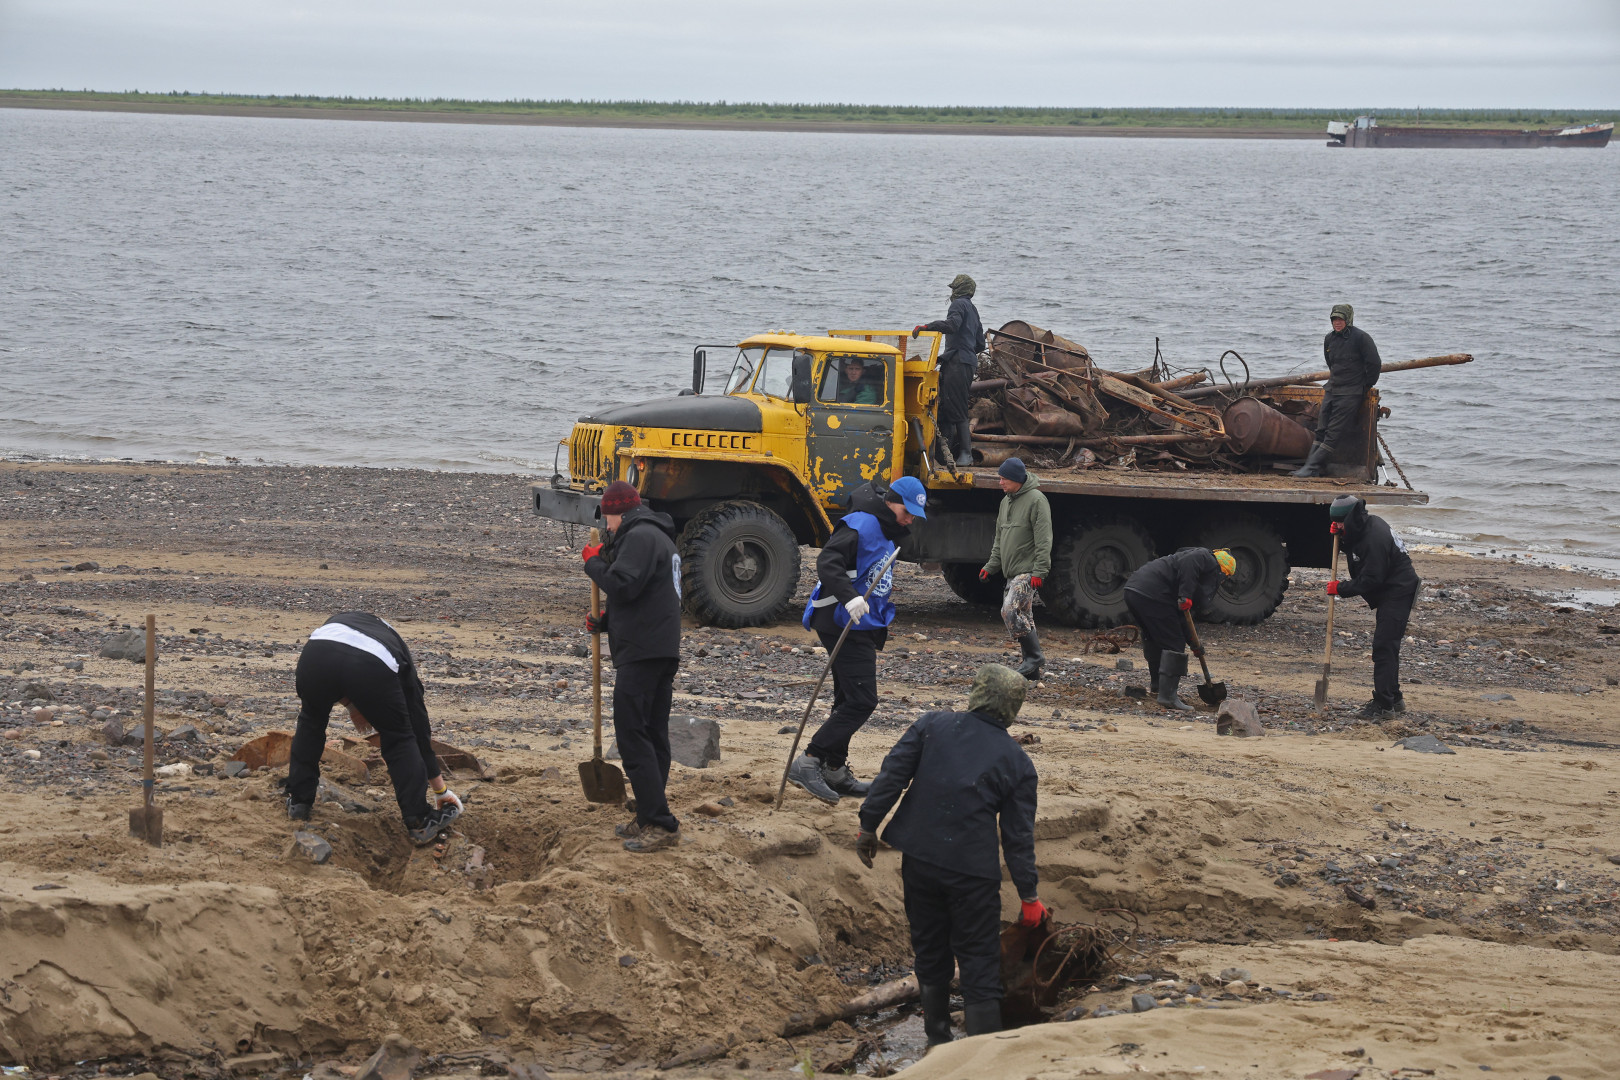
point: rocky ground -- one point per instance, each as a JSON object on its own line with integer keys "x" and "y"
{"x": 1443, "y": 912}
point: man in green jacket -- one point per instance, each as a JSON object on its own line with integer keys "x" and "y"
{"x": 1022, "y": 553}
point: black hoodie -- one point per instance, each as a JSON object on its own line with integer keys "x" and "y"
{"x": 640, "y": 574}
{"x": 838, "y": 556}
{"x": 1379, "y": 564}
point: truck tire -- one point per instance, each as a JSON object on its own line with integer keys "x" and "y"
{"x": 1090, "y": 562}
{"x": 739, "y": 565}
{"x": 1251, "y": 594}
{"x": 963, "y": 578}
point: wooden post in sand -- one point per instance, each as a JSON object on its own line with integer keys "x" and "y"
{"x": 146, "y": 820}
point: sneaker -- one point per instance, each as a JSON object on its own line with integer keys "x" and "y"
{"x": 298, "y": 811}
{"x": 1400, "y": 703}
{"x": 653, "y": 838}
{"x": 628, "y": 831}
{"x": 806, "y": 774}
{"x": 843, "y": 781}
{"x": 426, "y": 830}
{"x": 1374, "y": 711}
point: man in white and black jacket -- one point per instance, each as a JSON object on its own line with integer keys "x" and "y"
{"x": 357, "y": 660}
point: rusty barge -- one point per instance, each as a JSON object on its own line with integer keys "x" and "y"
{"x": 1366, "y": 131}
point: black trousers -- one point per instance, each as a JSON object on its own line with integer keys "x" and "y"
{"x": 954, "y": 379}
{"x": 1389, "y": 627}
{"x": 642, "y": 690}
{"x": 955, "y": 922}
{"x": 329, "y": 671}
{"x": 1338, "y": 416}
{"x": 1163, "y": 626}
{"x": 855, "y": 696}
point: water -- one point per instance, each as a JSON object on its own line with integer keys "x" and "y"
{"x": 453, "y": 296}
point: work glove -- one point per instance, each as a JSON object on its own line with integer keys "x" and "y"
{"x": 1335, "y": 526}
{"x": 1333, "y": 588}
{"x": 915, "y": 330}
{"x": 597, "y": 624}
{"x": 1035, "y": 582}
{"x": 866, "y": 846}
{"x": 591, "y": 551}
{"x": 444, "y": 797}
{"x": 1197, "y": 651}
{"x": 857, "y": 608}
{"x": 1185, "y": 603}
{"x": 1034, "y": 912}
{"x": 984, "y": 574}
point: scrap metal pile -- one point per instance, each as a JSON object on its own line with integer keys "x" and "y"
{"x": 1038, "y": 394}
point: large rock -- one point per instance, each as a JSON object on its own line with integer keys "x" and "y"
{"x": 1425, "y": 744}
{"x": 129, "y": 645}
{"x": 692, "y": 742}
{"x": 1238, "y": 718}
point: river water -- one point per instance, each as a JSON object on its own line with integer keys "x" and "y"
{"x": 454, "y": 296}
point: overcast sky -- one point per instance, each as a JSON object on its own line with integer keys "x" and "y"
{"x": 1441, "y": 53}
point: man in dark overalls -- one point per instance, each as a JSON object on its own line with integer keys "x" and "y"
{"x": 1157, "y": 595}
{"x": 1381, "y": 573}
{"x": 958, "y": 363}
{"x": 1353, "y": 362}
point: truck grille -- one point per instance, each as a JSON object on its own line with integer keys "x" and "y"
{"x": 590, "y": 455}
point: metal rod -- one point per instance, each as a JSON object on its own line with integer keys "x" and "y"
{"x": 1323, "y": 376}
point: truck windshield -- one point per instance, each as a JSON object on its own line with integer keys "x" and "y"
{"x": 742, "y": 372}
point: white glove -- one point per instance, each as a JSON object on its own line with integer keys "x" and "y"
{"x": 857, "y": 608}
{"x": 444, "y": 798}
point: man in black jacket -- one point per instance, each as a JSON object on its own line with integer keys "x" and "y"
{"x": 964, "y": 773}
{"x": 1157, "y": 595}
{"x": 640, "y": 573}
{"x": 357, "y": 660}
{"x": 1354, "y": 364}
{"x": 1381, "y": 573}
{"x": 958, "y": 363}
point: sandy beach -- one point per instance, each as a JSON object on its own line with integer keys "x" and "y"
{"x": 532, "y": 938}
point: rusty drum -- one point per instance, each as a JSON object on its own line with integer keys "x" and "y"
{"x": 1253, "y": 427}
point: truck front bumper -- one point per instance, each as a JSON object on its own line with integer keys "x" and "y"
{"x": 561, "y": 504}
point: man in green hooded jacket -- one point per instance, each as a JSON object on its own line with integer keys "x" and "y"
{"x": 1354, "y": 365}
{"x": 1022, "y": 553}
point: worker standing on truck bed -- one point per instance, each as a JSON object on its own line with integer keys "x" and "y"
{"x": 1381, "y": 573}
{"x": 1354, "y": 365}
{"x": 853, "y": 553}
{"x": 958, "y": 363}
{"x": 359, "y": 661}
{"x": 1021, "y": 553}
{"x": 1157, "y": 596}
{"x": 964, "y": 772}
{"x": 640, "y": 574}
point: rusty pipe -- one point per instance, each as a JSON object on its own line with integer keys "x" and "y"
{"x": 1119, "y": 440}
{"x": 1323, "y": 376}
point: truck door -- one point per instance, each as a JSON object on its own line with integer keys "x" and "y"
{"x": 851, "y": 432}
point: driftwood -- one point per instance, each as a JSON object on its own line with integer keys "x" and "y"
{"x": 884, "y": 996}
{"x": 1323, "y": 376}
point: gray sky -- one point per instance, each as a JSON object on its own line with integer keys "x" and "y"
{"x": 1441, "y": 53}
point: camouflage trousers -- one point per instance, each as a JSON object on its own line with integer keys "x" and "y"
{"x": 1018, "y": 607}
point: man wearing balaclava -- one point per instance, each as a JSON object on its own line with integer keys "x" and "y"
{"x": 961, "y": 773}
{"x": 1353, "y": 362}
{"x": 1381, "y": 573}
{"x": 958, "y": 363}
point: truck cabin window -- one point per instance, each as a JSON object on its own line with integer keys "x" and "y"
{"x": 742, "y": 372}
{"x": 854, "y": 380}
{"x": 776, "y": 376}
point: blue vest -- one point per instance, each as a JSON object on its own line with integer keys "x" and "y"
{"x": 874, "y": 548}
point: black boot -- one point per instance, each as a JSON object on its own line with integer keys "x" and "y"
{"x": 1314, "y": 463}
{"x": 1034, "y": 659}
{"x": 964, "y": 443}
{"x": 1172, "y": 666}
{"x": 936, "y": 1010}
{"x": 982, "y": 1019}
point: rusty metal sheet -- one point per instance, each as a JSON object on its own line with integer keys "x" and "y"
{"x": 1214, "y": 488}
{"x": 451, "y": 757}
{"x": 267, "y": 751}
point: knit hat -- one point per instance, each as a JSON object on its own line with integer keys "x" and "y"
{"x": 997, "y": 691}
{"x": 1013, "y": 469}
{"x": 1345, "y": 312}
{"x": 620, "y": 497}
{"x": 1224, "y": 560}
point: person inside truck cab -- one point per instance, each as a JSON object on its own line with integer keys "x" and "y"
{"x": 856, "y": 383}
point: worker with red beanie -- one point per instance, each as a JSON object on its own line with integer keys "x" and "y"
{"x": 639, "y": 572}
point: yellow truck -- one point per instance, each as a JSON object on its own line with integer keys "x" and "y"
{"x": 758, "y": 459}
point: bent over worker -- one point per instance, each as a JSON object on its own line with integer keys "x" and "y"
{"x": 1022, "y": 553}
{"x": 1381, "y": 573}
{"x": 357, "y": 660}
{"x": 1353, "y": 366}
{"x": 958, "y": 363}
{"x": 1157, "y": 595}
{"x": 961, "y": 773}
{"x": 847, "y": 567}
{"x": 639, "y": 572}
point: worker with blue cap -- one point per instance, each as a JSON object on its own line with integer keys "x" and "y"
{"x": 851, "y": 593}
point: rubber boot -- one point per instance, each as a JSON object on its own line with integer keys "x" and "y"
{"x": 964, "y": 444}
{"x": 982, "y": 1019}
{"x": 936, "y": 1010}
{"x": 1314, "y": 463}
{"x": 1034, "y": 659}
{"x": 1172, "y": 666}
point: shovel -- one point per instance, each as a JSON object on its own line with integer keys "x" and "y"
{"x": 1212, "y": 692}
{"x": 1327, "y": 652}
{"x": 146, "y": 820}
{"x": 603, "y": 781}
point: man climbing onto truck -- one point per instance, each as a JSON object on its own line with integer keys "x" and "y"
{"x": 958, "y": 363}
{"x": 1158, "y": 596}
{"x": 1022, "y": 554}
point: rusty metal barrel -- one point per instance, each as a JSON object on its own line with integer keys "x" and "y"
{"x": 1253, "y": 427}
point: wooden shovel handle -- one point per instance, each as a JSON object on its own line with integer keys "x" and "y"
{"x": 596, "y": 664}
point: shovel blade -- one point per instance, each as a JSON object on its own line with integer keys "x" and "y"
{"x": 1213, "y": 693}
{"x": 1321, "y": 693}
{"x": 146, "y": 823}
{"x": 602, "y": 781}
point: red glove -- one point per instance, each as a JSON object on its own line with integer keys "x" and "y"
{"x": 915, "y": 330}
{"x": 596, "y": 624}
{"x": 591, "y": 551}
{"x": 1035, "y": 582}
{"x": 1034, "y": 913}
{"x": 1335, "y": 526}
{"x": 1333, "y": 588}
{"x": 984, "y": 574}
{"x": 1185, "y": 604}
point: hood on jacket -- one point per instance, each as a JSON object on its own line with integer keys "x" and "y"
{"x": 1355, "y": 517}
{"x": 642, "y": 515}
{"x": 998, "y": 692}
{"x": 1345, "y": 312}
{"x": 1031, "y": 482}
{"x": 962, "y": 285}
